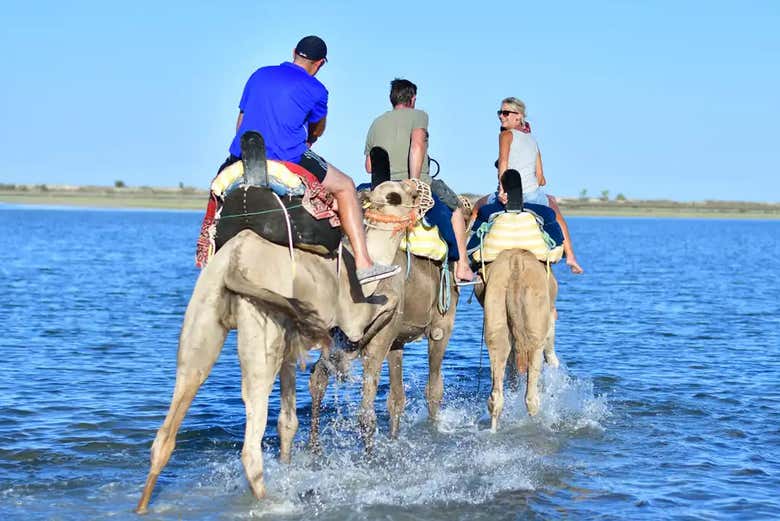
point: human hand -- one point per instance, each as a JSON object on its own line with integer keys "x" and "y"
{"x": 502, "y": 196}
{"x": 541, "y": 180}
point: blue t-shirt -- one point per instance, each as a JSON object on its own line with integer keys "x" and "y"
{"x": 279, "y": 101}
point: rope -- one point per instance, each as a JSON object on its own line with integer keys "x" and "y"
{"x": 481, "y": 350}
{"x": 338, "y": 262}
{"x": 424, "y": 196}
{"x": 483, "y": 230}
{"x": 289, "y": 233}
{"x": 445, "y": 288}
{"x": 246, "y": 214}
{"x": 401, "y": 222}
{"x": 408, "y": 256}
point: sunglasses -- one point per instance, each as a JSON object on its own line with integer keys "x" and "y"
{"x": 506, "y": 113}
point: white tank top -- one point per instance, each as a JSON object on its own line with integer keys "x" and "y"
{"x": 522, "y": 157}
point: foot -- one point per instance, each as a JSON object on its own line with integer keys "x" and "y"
{"x": 574, "y": 265}
{"x": 376, "y": 272}
{"x": 463, "y": 271}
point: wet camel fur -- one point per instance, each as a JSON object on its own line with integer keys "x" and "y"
{"x": 519, "y": 301}
{"x": 417, "y": 315}
{"x": 280, "y": 313}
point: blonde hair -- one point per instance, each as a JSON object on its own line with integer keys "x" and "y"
{"x": 517, "y": 105}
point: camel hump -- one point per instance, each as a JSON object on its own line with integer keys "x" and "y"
{"x": 253, "y": 157}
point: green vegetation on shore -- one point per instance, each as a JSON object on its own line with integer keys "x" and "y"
{"x": 193, "y": 199}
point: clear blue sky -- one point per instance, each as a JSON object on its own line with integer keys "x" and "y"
{"x": 663, "y": 99}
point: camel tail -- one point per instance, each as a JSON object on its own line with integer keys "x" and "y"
{"x": 525, "y": 301}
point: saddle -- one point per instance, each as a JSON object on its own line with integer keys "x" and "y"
{"x": 280, "y": 220}
{"x": 252, "y": 203}
{"x": 521, "y": 226}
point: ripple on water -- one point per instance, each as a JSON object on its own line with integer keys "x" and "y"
{"x": 667, "y": 406}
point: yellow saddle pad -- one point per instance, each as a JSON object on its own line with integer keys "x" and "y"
{"x": 425, "y": 242}
{"x": 277, "y": 170}
{"x": 516, "y": 230}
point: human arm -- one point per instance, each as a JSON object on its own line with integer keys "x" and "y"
{"x": 317, "y": 116}
{"x": 239, "y": 120}
{"x": 315, "y": 131}
{"x": 418, "y": 150}
{"x": 540, "y": 170}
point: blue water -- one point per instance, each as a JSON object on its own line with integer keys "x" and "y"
{"x": 667, "y": 405}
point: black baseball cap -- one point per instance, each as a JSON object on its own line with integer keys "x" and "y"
{"x": 312, "y": 48}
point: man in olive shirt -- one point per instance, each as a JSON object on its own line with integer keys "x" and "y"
{"x": 403, "y": 133}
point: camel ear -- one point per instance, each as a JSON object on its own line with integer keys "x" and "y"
{"x": 364, "y": 197}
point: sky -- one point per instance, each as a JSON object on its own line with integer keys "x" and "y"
{"x": 652, "y": 100}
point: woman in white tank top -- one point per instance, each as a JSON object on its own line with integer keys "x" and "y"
{"x": 518, "y": 150}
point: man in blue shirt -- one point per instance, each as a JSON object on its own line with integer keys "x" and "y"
{"x": 288, "y": 106}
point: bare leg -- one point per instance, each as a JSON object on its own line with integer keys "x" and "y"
{"x": 568, "y": 249}
{"x": 287, "y": 424}
{"x": 462, "y": 269}
{"x": 482, "y": 201}
{"x": 396, "y": 398}
{"x": 318, "y": 384}
{"x": 200, "y": 343}
{"x": 343, "y": 189}
{"x": 259, "y": 351}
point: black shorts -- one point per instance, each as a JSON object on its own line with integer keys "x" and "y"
{"x": 309, "y": 160}
{"x": 314, "y": 164}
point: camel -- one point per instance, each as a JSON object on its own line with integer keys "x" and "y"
{"x": 416, "y": 315}
{"x": 280, "y": 310}
{"x": 519, "y": 301}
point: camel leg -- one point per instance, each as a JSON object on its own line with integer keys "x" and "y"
{"x": 373, "y": 356}
{"x": 498, "y": 349}
{"x": 288, "y": 419}
{"x": 499, "y": 346}
{"x": 512, "y": 371}
{"x": 549, "y": 346}
{"x": 259, "y": 351}
{"x": 318, "y": 384}
{"x": 438, "y": 338}
{"x": 200, "y": 343}
{"x": 396, "y": 399}
{"x": 532, "y": 389}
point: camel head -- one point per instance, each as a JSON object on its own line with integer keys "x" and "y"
{"x": 395, "y": 198}
{"x": 388, "y": 210}
{"x": 392, "y": 206}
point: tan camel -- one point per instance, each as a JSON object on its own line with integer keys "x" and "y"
{"x": 519, "y": 301}
{"x": 416, "y": 315}
{"x": 280, "y": 312}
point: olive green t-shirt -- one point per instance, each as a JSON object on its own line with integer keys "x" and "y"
{"x": 393, "y": 132}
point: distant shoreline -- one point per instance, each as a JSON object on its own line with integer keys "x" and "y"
{"x": 193, "y": 199}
